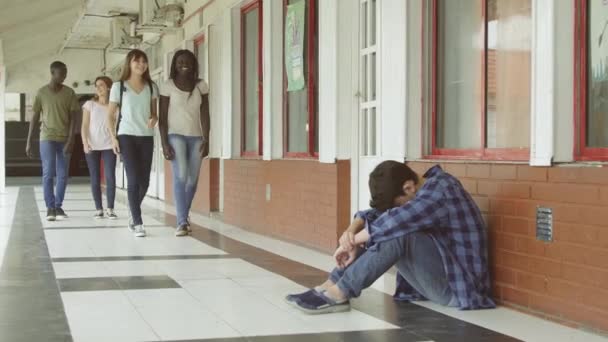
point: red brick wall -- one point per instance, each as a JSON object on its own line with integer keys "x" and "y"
{"x": 565, "y": 280}
{"x": 206, "y": 199}
{"x": 310, "y": 201}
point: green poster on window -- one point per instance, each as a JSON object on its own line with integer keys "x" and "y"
{"x": 294, "y": 45}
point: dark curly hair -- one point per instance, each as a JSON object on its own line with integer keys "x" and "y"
{"x": 386, "y": 183}
{"x": 193, "y": 59}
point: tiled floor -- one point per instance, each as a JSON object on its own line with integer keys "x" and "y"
{"x": 82, "y": 279}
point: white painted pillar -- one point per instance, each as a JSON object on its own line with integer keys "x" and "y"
{"x": 226, "y": 58}
{"x": 328, "y": 81}
{"x": 393, "y": 78}
{"x": 2, "y": 121}
{"x": 272, "y": 52}
{"x": 543, "y": 85}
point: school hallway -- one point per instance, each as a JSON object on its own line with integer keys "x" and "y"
{"x": 298, "y": 103}
{"x": 82, "y": 279}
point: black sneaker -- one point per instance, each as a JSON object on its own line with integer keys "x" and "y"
{"x": 131, "y": 225}
{"x": 294, "y": 298}
{"x": 60, "y": 214}
{"x": 98, "y": 214}
{"x": 50, "y": 215}
{"x": 110, "y": 214}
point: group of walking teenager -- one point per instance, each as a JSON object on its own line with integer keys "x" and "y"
{"x": 119, "y": 122}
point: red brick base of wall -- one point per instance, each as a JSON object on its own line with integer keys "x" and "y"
{"x": 206, "y": 199}
{"x": 309, "y": 201}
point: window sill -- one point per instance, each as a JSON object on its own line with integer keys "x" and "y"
{"x": 485, "y": 155}
{"x": 251, "y": 155}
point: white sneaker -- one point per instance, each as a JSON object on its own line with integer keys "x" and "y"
{"x": 139, "y": 231}
{"x": 182, "y": 230}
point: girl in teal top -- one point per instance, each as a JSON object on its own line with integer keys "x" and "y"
{"x": 133, "y": 116}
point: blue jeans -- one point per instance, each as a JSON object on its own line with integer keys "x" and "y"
{"x": 186, "y": 166}
{"x": 417, "y": 259}
{"x": 137, "y": 153}
{"x": 54, "y": 165}
{"x": 109, "y": 169}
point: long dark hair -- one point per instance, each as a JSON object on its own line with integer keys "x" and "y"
{"x": 126, "y": 68}
{"x": 189, "y": 54}
{"x": 107, "y": 81}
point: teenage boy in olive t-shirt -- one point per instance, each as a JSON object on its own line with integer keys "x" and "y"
{"x": 54, "y": 108}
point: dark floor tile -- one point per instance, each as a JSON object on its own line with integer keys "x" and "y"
{"x": 30, "y": 304}
{"x": 379, "y": 336}
{"x": 230, "y": 339}
{"x": 151, "y": 257}
{"x": 88, "y": 284}
{"x": 28, "y": 333}
{"x": 117, "y": 283}
{"x": 321, "y": 337}
{"x": 393, "y": 335}
{"x": 146, "y": 282}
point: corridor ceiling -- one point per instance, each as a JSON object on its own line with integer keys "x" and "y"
{"x": 36, "y": 28}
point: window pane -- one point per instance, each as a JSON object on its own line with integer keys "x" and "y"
{"x": 298, "y": 124}
{"x": 298, "y": 121}
{"x": 372, "y": 80}
{"x": 363, "y": 79}
{"x": 508, "y": 92}
{"x": 364, "y": 31}
{"x": 597, "y": 74}
{"x": 372, "y": 22}
{"x": 251, "y": 80}
{"x": 371, "y": 132}
{"x": 459, "y": 73}
{"x": 12, "y": 106}
{"x": 363, "y": 131}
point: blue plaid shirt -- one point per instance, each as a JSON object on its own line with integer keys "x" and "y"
{"x": 443, "y": 209}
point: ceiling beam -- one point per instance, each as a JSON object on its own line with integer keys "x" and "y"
{"x": 66, "y": 40}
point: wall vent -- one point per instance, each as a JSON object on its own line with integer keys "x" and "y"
{"x": 544, "y": 224}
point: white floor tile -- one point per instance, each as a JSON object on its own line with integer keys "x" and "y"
{"x": 105, "y": 316}
{"x": 175, "y": 315}
{"x": 190, "y": 269}
{"x": 88, "y": 215}
{"x": 60, "y": 247}
{"x": 104, "y": 242}
{"x": 274, "y": 289}
{"x": 85, "y": 219}
{"x": 255, "y": 314}
{"x": 71, "y": 206}
{"x": 182, "y": 269}
{"x": 208, "y": 269}
{"x": 106, "y": 269}
{"x": 248, "y": 314}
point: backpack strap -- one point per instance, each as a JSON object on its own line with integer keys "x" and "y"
{"x": 122, "y": 89}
